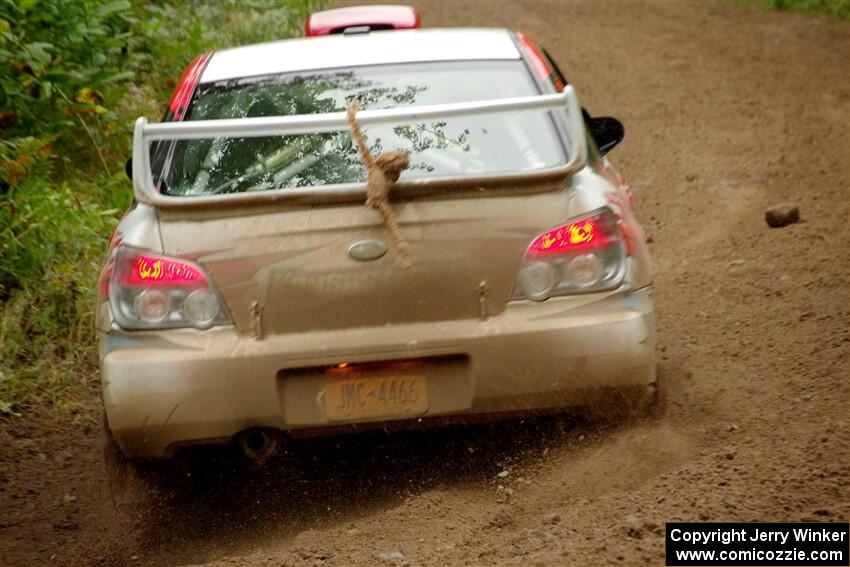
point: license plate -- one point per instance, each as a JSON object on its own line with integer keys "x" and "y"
{"x": 361, "y": 398}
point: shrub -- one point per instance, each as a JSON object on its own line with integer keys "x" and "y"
{"x": 73, "y": 77}
{"x": 839, "y": 8}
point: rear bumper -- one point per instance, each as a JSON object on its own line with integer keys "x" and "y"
{"x": 167, "y": 389}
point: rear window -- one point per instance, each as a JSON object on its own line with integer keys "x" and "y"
{"x": 471, "y": 145}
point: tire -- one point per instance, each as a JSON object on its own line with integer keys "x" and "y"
{"x": 628, "y": 404}
{"x": 658, "y": 406}
{"x": 134, "y": 485}
{"x": 125, "y": 483}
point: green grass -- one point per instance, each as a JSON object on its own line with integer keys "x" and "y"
{"x": 73, "y": 78}
{"x": 840, "y": 8}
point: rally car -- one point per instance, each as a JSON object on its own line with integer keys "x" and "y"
{"x": 251, "y": 296}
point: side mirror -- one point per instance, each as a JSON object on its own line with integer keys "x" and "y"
{"x": 606, "y": 131}
{"x": 128, "y": 169}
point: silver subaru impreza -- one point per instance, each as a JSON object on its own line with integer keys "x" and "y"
{"x": 251, "y": 295}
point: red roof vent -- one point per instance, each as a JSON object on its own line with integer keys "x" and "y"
{"x": 372, "y": 17}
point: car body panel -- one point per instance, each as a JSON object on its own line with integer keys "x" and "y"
{"x": 294, "y": 261}
{"x": 199, "y": 387}
{"x": 377, "y": 48}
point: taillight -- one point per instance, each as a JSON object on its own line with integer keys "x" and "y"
{"x": 159, "y": 271}
{"x": 538, "y": 61}
{"x": 103, "y": 280}
{"x": 584, "y": 255}
{"x": 186, "y": 86}
{"x": 150, "y": 291}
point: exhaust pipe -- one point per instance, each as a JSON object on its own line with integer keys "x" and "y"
{"x": 258, "y": 445}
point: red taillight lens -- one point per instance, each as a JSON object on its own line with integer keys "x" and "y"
{"x": 584, "y": 255}
{"x": 157, "y": 271}
{"x": 149, "y": 291}
{"x": 585, "y": 234}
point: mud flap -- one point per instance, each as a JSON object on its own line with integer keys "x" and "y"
{"x": 125, "y": 486}
{"x": 632, "y": 403}
{"x": 136, "y": 485}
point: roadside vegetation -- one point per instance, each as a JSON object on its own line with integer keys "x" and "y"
{"x": 73, "y": 77}
{"x": 839, "y": 8}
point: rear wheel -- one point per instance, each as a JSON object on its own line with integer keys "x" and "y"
{"x": 133, "y": 484}
{"x": 658, "y": 407}
{"x": 623, "y": 404}
{"x": 125, "y": 485}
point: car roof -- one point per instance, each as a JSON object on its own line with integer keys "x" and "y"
{"x": 372, "y": 48}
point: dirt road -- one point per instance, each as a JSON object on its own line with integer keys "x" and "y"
{"x": 728, "y": 109}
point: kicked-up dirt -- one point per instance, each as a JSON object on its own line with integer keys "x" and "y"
{"x": 728, "y": 109}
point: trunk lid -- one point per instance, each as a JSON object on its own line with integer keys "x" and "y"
{"x": 294, "y": 262}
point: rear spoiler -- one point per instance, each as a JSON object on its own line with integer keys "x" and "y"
{"x": 144, "y": 133}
